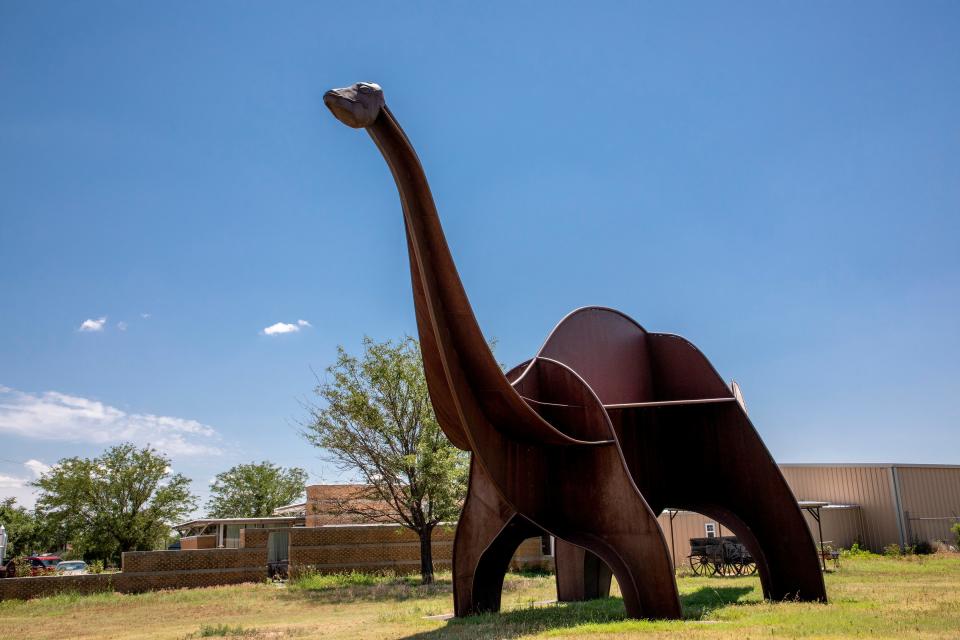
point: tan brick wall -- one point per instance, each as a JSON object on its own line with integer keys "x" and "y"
{"x": 40, "y": 586}
{"x": 333, "y": 549}
{"x": 326, "y": 549}
{"x": 153, "y": 561}
{"x": 254, "y": 538}
{"x": 198, "y": 542}
{"x": 26, "y": 588}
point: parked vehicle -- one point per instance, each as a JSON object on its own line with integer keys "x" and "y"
{"x": 43, "y": 564}
{"x": 71, "y": 567}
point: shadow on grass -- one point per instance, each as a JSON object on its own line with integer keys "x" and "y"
{"x": 520, "y": 622}
{"x": 706, "y": 599}
{"x": 397, "y": 588}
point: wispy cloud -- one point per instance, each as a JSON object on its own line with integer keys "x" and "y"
{"x": 122, "y": 325}
{"x": 145, "y": 316}
{"x": 57, "y": 416}
{"x": 93, "y": 325}
{"x": 285, "y": 327}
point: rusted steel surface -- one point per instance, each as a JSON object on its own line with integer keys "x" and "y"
{"x": 663, "y": 395}
{"x": 547, "y": 452}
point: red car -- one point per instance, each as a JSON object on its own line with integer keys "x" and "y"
{"x": 43, "y": 564}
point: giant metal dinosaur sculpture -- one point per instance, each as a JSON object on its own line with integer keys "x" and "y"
{"x": 546, "y": 454}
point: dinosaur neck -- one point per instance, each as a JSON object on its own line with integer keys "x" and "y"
{"x": 450, "y": 337}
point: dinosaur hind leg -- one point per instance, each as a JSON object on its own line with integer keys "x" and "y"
{"x": 581, "y": 575}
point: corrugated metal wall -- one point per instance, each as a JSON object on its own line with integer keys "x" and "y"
{"x": 870, "y": 486}
{"x": 840, "y": 528}
{"x": 930, "y": 498}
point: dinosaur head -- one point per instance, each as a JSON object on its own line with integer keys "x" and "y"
{"x": 356, "y": 106}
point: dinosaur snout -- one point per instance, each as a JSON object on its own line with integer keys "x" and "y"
{"x": 356, "y": 106}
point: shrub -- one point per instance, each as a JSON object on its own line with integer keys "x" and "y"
{"x": 223, "y": 631}
{"x": 95, "y": 567}
{"x": 893, "y": 551}
{"x": 956, "y": 530}
{"x": 923, "y": 547}
{"x": 856, "y": 551}
{"x": 21, "y": 567}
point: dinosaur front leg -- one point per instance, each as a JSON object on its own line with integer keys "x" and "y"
{"x": 488, "y": 534}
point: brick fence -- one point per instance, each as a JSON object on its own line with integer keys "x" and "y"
{"x": 327, "y": 549}
{"x": 336, "y": 548}
{"x": 151, "y": 571}
{"x": 198, "y": 542}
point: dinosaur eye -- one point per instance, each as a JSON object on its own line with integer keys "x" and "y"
{"x": 365, "y": 88}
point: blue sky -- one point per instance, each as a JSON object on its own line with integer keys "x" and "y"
{"x": 777, "y": 182}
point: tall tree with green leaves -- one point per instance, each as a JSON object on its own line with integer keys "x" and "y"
{"x": 254, "y": 490}
{"x": 124, "y": 500}
{"x": 377, "y": 422}
{"x": 24, "y": 531}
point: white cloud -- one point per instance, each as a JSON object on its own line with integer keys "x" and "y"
{"x": 122, "y": 325}
{"x": 145, "y": 316}
{"x": 285, "y": 327}
{"x": 10, "y": 482}
{"x": 57, "y": 416}
{"x": 36, "y": 467}
{"x": 18, "y": 487}
{"x": 93, "y": 325}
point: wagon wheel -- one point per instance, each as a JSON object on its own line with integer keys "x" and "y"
{"x": 700, "y": 565}
{"x": 714, "y": 567}
{"x": 746, "y": 568}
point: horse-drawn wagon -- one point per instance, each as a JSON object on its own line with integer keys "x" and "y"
{"x": 720, "y": 557}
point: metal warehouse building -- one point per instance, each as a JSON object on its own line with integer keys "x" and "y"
{"x": 876, "y": 504}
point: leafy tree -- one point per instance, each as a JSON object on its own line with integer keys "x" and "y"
{"x": 24, "y": 535}
{"x": 377, "y": 421}
{"x": 125, "y": 500}
{"x": 254, "y": 490}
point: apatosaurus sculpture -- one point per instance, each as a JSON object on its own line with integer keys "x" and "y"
{"x": 546, "y": 455}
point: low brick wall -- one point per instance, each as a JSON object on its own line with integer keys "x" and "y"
{"x": 151, "y": 571}
{"x": 328, "y": 549}
{"x": 338, "y": 548}
{"x": 40, "y": 586}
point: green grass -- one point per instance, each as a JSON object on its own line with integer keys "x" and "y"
{"x": 870, "y": 597}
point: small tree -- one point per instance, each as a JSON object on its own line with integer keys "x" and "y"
{"x": 24, "y": 532}
{"x": 254, "y": 490}
{"x": 125, "y": 500}
{"x": 377, "y": 421}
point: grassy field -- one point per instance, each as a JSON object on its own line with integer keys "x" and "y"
{"x": 873, "y": 597}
